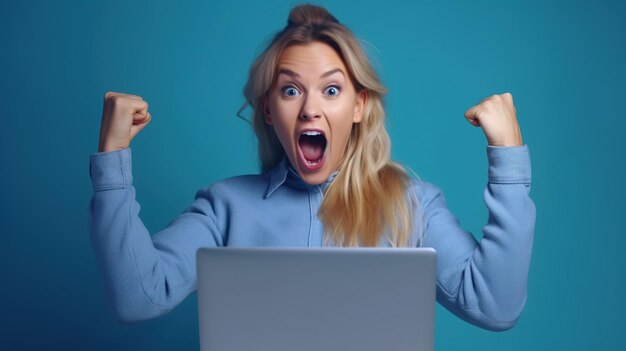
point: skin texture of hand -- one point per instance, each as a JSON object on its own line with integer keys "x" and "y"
{"x": 123, "y": 117}
{"x": 497, "y": 117}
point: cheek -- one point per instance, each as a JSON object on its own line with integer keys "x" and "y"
{"x": 341, "y": 135}
{"x": 344, "y": 115}
{"x": 338, "y": 109}
{"x": 282, "y": 110}
{"x": 282, "y": 123}
{"x": 281, "y": 128}
{"x": 343, "y": 109}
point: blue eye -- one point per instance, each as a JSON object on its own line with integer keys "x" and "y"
{"x": 332, "y": 90}
{"x": 290, "y": 91}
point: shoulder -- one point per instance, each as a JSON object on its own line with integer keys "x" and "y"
{"x": 423, "y": 191}
{"x": 238, "y": 187}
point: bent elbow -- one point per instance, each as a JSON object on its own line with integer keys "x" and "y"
{"x": 493, "y": 318}
{"x": 132, "y": 315}
{"x": 498, "y": 326}
{"x": 123, "y": 316}
{"x": 125, "y": 313}
{"x": 479, "y": 319}
{"x": 135, "y": 310}
{"x": 502, "y": 321}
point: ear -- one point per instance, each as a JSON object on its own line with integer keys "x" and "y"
{"x": 359, "y": 106}
{"x": 266, "y": 112}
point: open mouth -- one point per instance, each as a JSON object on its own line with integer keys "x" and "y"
{"x": 313, "y": 146}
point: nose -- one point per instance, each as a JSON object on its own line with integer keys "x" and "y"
{"x": 310, "y": 108}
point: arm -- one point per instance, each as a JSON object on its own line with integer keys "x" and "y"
{"x": 484, "y": 282}
{"x": 144, "y": 276}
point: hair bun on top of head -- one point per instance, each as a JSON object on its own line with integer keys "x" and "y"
{"x": 308, "y": 14}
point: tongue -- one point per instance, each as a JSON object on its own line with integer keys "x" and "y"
{"x": 311, "y": 149}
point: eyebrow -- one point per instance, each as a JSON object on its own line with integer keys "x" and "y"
{"x": 294, "y": 74}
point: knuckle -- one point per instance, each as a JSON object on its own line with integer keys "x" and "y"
{"x": 115, "y": 100}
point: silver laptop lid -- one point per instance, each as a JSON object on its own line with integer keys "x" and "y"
{"x": 286, "y": 299}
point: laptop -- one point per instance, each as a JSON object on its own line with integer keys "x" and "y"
{"x": 305, "y": 299}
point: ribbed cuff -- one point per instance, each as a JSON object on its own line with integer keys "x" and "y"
{"x": 110, "y": 170}
{"x": 509, "y": 164}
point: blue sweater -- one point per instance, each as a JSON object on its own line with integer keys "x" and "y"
{"x": 146, "y": 276}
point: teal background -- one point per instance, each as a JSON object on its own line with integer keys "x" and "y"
{"x": 562, "y": 61}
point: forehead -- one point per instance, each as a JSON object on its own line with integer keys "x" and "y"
{"x": 313, "y": 58}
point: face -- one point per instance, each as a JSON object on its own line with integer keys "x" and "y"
{"x": 312, "y": 107}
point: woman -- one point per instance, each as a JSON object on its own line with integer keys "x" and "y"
{"x": 327, "y": 179}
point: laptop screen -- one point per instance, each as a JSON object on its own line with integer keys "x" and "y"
{"x": 316, "y": 298}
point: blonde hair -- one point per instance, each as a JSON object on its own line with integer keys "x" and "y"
{"x": 368, "y": 197}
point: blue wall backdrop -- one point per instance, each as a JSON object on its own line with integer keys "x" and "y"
{"x": 562, "y": 61}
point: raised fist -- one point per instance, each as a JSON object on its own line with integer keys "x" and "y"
{"x": 123, "y": 117}
{"x": 496, "y": 115}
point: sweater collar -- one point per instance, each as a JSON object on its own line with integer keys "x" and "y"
{"x": 284, "y": 174}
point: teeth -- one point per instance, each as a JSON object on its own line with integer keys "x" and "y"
{"x": 312, "y": 133}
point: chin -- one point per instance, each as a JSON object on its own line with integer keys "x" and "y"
{"x": 314, "y": 179}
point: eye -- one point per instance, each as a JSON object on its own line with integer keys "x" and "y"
{"x": 290, "y": 91}
{"x": 332, "y": 90}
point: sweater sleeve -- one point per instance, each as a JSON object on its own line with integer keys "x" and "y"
{"x": 484, "y": 283}
{"x": 145, "y": 276}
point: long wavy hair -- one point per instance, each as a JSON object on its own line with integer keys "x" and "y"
{"x": 368, "y": 199}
